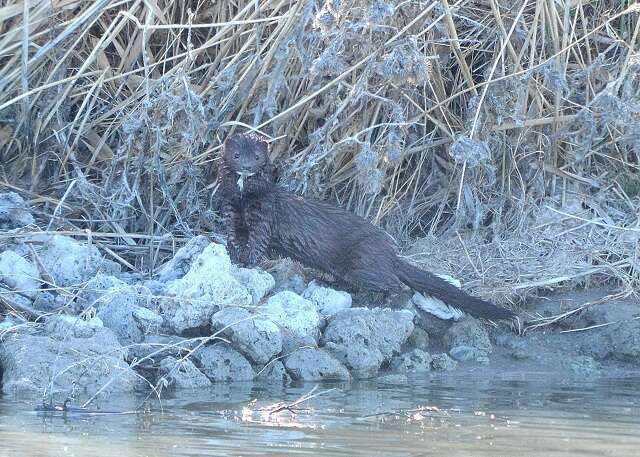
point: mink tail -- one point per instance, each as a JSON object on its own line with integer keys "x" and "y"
{"x": 430, "y": 284}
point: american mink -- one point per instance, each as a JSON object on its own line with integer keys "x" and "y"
{"x": 264, "y": 218}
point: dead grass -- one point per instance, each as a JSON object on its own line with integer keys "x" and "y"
{"x": 470, "y": 120}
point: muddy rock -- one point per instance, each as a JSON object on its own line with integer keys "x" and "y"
{"x": 468, "y": 332}
{"x": 412, "y": 362}
{"x": 419, "y": 339}
{"x": 35, "y": 363}
{"x": 274, "y": 373}
{"x": 393, "y": 379}
{"x": 255, "y": 337}
{"x": 582, "y": 366}
{"x": 293, "y": 313}
{"x": 222, "y": 363}
{"x": 70, "y": 262}
{"x": 181, "y": 262}
{"x": 434, "y": 326}
{"x": 363, "y": 338}
{"x": 205, "y": 289}
{"x": 181, "y": 374}
{"x": 19, "y": 274}
{"x": 328, "y": 301}
{"x": 464, "y": 353}
{"x": 442, "y": 362}
{"x": 259, "y": 283}
{"x": 315, "y": 365}
{"x": 14, "y": 212}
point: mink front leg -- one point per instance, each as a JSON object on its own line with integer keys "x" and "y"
{"x": 236, "y": 243}
{"x": 259, "y": 236}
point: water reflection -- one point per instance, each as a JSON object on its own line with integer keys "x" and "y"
{"x": 427, "y": 416}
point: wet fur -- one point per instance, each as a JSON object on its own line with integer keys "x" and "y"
{"x": 266, "y": 219}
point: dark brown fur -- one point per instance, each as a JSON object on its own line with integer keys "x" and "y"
{"x": 264, "y": 218}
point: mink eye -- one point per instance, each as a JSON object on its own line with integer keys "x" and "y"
{"x": 236, "y": 155}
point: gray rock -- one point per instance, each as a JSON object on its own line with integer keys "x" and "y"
{"x": 47, "y": 301}
{"x": 412, "y": 362}
{"x": 14, "y": 212}
{"x": 36, "y": 363}
{"x": 205, "y": 289}
{"x": 71, "y": 263}
{"x": 255, "y": 337}
{"x": 64, "y": 326}
{"x": 181, "y": 262}
{"x": 156, "y": 287}
{"x": 315, "y": 365}
{"x": 222, "y": 363}
{"x": 363, "y": 338}
{"x": 259, "y": 283}
{"x": 274, "y": 373}
{"x": 442, "y": 362}
{"x": 293, "y": 313}
{"x": 435, "y": 327}
{"x": 97, "y": 287}
{"x": 582, "y": 366}
{"x": 469, "y": 354}
{"x": 19, "y": 274}
{"x": 468, "y": 332}
{"x": 288, "y": 276}
{"x": 120, "y": 312}
{"x": 511, "y": 342}
{"x": 328, "y": 301}
{"x": 419, "y": 339}
{"x": 181, "y": 374}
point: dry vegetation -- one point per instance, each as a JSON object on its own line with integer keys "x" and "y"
{"x": 508, "y": 129}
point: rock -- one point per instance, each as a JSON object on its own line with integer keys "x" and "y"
{"x": 120, "y": 312}
{"x": 328, "y": 301}
{"x": 64, "y": 326}
{"x": 288, "y": 276}
{"x": 469, "y": 354}
{"x": 222, "y": 363}
{"x": 157, "y": 288}
{"x": 156, "y": 347}
{"x": 181, "y": 374}
{"x": 619, "y": 341}
{"x": 511, "y": 342}
{"x": 468, "y": 332}
{"x": 259, "y": 283}
{"x": 256, "y": 338}
{"x": 363, "y": 338}
{"x": 182, "y": 261}
{"x": 412, "y": 362}
{"x": 207, "y": 287}
{"x": 393, "y": 379}
{"x": 97, "y": 287}
{"x": 274, "y": 373}
{"x": 38, "y": 363}
{"x": 19, "y": 274}
{"x": 14, "y": 212}
{"x": 435, "y": 327}
{"x": 582, "y": 366}
{"x": 315, "y": 365}
{"x": 442, "y": 362}
{"x": 293, "y": 313}
{"x": 419, "y": 339}
{"x": 71, "y": 263}
{"x": 47, "y": 301}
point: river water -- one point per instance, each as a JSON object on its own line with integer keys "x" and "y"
{"x": 527, "y": 415}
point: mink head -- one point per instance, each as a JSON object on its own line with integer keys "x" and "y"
{"x": 246, "y": 154}
{"x": 246, "y": 161}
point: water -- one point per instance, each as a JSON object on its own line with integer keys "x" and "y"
{"x": 461, "y": 416}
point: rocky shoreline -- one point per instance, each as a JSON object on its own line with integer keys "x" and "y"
{"x": 202, "y": 320}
